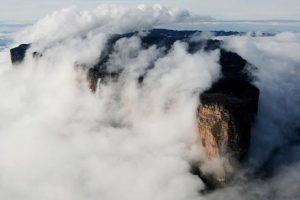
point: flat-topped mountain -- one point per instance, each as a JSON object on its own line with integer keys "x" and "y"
{"x": 226, "y": 111}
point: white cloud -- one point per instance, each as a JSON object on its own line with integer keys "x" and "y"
{"x": 60, "y": 141}
{"x": 104, "y": 18}
{"x": 130, "y": 141}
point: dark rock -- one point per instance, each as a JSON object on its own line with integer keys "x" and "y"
{"x": 18, "y": 54}
{"x": 95, "y": 75}
{"x": 37, "y": 55}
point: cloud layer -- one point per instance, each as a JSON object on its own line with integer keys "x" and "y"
{"x": 60, "y": 141}
{"x": 104, "y": 18}
{"x": 131, "y": 141}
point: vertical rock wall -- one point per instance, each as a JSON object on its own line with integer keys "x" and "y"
{"x": 226, "y": 114}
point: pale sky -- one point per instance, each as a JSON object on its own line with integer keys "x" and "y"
{"x": 219, "y": 9}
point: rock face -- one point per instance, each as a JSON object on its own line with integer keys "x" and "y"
{"x": 226, "y": 114}
{"x": 17, "y": 54}
{"x": 227, "y": 109}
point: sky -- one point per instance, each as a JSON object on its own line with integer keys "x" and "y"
{"x": 22, "y": 10}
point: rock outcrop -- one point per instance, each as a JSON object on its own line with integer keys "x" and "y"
{"x": 17, "y": 54}
{"x": 226, "y": 114}
{"x": 227, "y": 109}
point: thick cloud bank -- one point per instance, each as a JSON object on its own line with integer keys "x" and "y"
{"x": 131, "y": 141}
{"x": 60, "y": 141}
{"x": 105, "y": 18}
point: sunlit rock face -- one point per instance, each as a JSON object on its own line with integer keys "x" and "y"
{"x": 215, "y": 127}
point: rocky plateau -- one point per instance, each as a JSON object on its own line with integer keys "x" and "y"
{"x": 226, "y": 111}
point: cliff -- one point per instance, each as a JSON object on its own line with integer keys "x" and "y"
{"x": 226, "y": 114}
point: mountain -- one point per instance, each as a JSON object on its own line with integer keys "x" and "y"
{"x": 226, "y": 111}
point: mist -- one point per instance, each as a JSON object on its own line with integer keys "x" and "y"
{"x": 58, "y": 140}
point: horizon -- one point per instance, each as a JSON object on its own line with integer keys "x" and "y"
{"x": 266, "y": 26}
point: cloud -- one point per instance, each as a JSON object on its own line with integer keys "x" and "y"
{"x": 105, "y": 18}
{"x": 60, "y": 141}
{"x": 132, "y": 141}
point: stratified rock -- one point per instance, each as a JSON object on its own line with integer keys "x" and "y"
{"x": 226, "y": 114}
{"x": 17, "y": 54}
